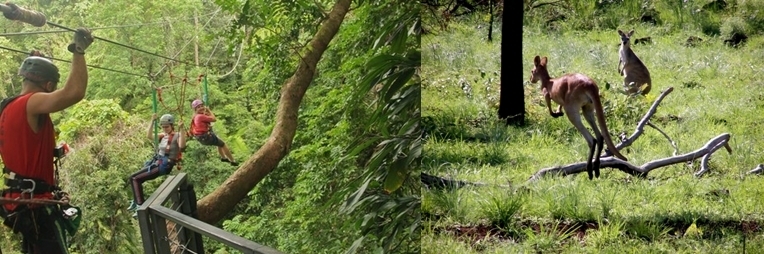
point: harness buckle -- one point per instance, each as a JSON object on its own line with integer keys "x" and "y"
{"x": 30, "y": 190}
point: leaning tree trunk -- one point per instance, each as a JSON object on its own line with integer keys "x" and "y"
{"x": 512, "y": 94}
{"x": 222, "y": 200}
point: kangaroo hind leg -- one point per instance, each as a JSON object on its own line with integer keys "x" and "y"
{"x": 589, "y": 116}
{"x": 575, "y": 118}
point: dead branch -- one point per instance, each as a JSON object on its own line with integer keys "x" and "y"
{"x": 641, "y": 171}
{"x": 673, "y": 144}
{"x": 641, "y": 124}
{"x": 607, "y": 161}
{"x": 537, "y": 4}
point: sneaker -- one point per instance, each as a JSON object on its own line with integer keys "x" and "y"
{"x": 133, "y": 206}
{"x": 135, "y": 215}
{"x": 224, "y": 159}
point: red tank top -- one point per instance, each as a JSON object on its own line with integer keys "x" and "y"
{"x": 23, "y": 151}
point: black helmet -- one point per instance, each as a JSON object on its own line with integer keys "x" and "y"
{"x": 39, "y": 69}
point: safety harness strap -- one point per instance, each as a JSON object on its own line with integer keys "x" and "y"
{"x": 179, "y": 157}
{"x": 17, "y": 183}
{"x": 5, "y": 102}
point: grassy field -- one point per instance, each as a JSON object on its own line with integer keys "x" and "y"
{"x": 717, "y": 89}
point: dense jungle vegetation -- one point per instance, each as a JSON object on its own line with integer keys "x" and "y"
{"x": 341, "y": 180}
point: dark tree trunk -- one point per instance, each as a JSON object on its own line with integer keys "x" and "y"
{"x": 511, "y": 96}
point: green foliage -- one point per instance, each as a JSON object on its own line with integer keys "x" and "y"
{"x": 733, "y": 25}
{"x": 616, "y": 213}
{"x": 548, "y": 238}
{"x": 107, "y": 131}
{"x": 89, "y": 117}
{"x": 501, "y": 208}
{"x": 616, "y": 14}
{"x": 95, "y": 174}
{"x": 388, "y": 194}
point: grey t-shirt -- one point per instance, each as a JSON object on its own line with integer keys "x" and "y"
{"x": 162, "y": 149}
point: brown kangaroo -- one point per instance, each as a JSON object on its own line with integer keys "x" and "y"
{"x": 576, "y": 92}
{"x": 634, "y": 72}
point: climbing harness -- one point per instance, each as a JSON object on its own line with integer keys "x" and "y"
{"x": 68, "y": 215}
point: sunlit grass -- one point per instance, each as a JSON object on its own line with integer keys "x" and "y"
{"x": 717, "y": 90}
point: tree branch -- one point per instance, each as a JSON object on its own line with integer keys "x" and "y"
{"x": 641, "y": 124}
{"x": 222, "y": 200}
{"x": 673, "y": 144}
{"x": 610, "y": 162}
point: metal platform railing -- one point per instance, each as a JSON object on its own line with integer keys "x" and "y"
{"x": 168, "y": 223}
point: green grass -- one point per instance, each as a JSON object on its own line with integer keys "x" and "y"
{"x": 717, "y": 89}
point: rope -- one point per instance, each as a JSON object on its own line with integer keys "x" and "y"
{"x": 241, "y": 48}
{"x": 32, "y": 201}
{"x": 182, "y": 98}
{"x": 178, "y": 100}
{"x": 120, "y": 44}
{"x": 205, "y": 96}
{"x": 67, "y": 61}
{"x": 189, "y": 41}
{"x": 206, "y": 64}
{"x": 156, "y": 138}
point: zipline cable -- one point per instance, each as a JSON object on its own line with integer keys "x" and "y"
{"x": 189, "y": 41}
{"x": 67, "y": 61}
{"x": 98, "y": 28}
{"x": 36, "y": 18}
{"x": 120, "y": 44}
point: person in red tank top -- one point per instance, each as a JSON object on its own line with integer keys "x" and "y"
{"x": 27, "y": 142}
{"x": 201, "y": 131}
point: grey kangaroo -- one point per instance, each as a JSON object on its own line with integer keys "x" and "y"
{"x": 634, "y": 72}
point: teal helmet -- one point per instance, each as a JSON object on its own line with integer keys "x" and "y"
{"x": 39, "y": 69}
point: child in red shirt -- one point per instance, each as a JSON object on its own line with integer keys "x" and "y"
{"x": 202, "y": 131}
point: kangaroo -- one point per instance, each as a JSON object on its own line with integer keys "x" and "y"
{"x": 634, "y": 72}
{"x": 576, "y": 92}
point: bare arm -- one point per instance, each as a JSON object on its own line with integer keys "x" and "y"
{"x": 182, "y": 137}
{"x": 209, "y": 113}
{"x": 73, "y": 91}
{"x": 76, "y": 83}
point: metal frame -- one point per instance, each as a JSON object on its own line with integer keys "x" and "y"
{"x": 153, "y": 216}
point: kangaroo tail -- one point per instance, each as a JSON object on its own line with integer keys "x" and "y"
{"x": 603, "y": 126}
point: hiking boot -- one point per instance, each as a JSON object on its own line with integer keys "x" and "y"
{"x": 133, "y": 206}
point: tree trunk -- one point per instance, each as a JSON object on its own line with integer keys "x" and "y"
{"x": 512, "y": 95}
{"x": 490, "y": 22}
{"x": 222, "y": 200}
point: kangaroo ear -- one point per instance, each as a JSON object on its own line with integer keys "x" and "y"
{"x": 537, "y": 60}
{"x": 543, "y": 61}
{"x": 620, "y": 32}
{"x": 631, "y": 32}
